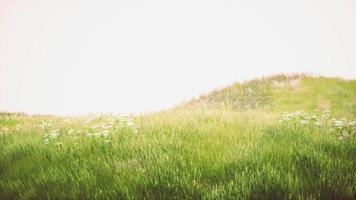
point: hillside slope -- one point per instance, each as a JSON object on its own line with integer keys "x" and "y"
{"x": 233, "y": 143}
{"x": 283, "y": 93}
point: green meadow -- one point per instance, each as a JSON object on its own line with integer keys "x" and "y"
{"x": 278, "y": 137}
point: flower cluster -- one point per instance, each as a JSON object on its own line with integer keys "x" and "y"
{"x": 52, "y": 135}
{"x": 346, "y": 130}
{"x": 300, "y": 117}
{"x": 343, "y": 128}
{"x": 96, "y": 126}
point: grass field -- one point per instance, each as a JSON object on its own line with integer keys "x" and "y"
{"x": 280, "y": 137}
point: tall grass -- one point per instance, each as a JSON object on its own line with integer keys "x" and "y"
{"x": 215, "y": 153}
{"x": 177, "y": 155}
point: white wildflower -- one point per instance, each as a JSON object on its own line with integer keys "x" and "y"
{"x": 54, "y": 134}
{"x": 46, "y": 141}
{"x": 105, "y": 133}
{"x": 339, "y": 123}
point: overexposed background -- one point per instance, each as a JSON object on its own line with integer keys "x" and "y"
{"x": 78, "y": 56}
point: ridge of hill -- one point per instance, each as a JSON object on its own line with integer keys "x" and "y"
{"x": 283, "y": 93}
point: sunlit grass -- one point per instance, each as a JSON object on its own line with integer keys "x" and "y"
{"x": 214, "y": 153}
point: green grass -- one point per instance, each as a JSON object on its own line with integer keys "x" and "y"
{"x": 283, "y": 93}
{"x": 231, "y": 146}
{"x": 333, "y": 94}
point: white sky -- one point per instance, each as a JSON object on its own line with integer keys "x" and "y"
{"x": 73, "y": 56}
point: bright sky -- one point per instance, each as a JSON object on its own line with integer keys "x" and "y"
{"x": 78, "y": 56}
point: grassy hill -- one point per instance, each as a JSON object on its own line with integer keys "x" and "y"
{"x": 283, "y": 93}
{"x": 246, "y": 141}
